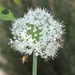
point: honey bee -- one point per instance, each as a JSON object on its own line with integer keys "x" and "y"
{"x": 24, "y": 59}
{"x": 61, "y": 41}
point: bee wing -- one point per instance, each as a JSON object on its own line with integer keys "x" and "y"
{"x": 20, "y": 59}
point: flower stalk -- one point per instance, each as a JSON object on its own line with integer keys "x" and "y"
{"x": 34, "y": 65}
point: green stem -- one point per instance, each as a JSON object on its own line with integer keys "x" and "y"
{"x": 34, "y": 68}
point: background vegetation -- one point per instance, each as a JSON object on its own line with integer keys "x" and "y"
{"x": 64, "y": 64}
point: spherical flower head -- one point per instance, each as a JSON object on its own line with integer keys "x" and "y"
{"x": 37, "y": 32}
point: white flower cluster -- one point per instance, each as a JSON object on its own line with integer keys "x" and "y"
{"x": 37, "y": 31}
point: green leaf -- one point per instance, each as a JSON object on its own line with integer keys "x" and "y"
{"x": 18, "y": 2}
{"x": 6, "y": 14}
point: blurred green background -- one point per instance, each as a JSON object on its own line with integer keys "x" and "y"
{"x": 64, "y": 64}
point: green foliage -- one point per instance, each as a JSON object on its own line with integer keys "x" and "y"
{"x": 18, "y": 2}
{"x": 6, "y": 14}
